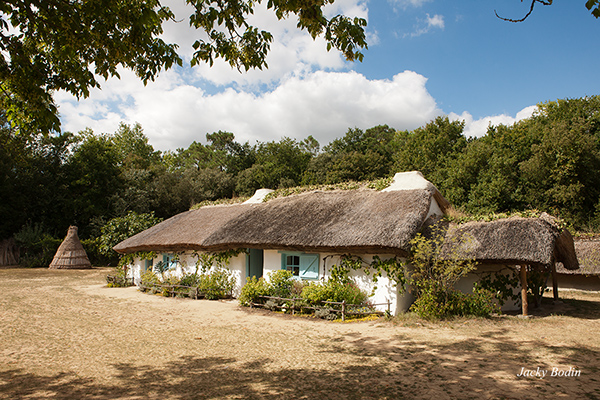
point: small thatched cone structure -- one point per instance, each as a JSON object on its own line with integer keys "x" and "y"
{"x": 70, "y": 253}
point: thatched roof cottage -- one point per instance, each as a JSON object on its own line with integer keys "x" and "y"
{"x": 587, "y": 277}
{"x": 307, "y": 233}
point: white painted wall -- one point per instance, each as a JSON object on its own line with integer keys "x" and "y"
{"x": 385, "y": 289}
{"x": 187, "y": 265}
{"x": 465, "y": 285}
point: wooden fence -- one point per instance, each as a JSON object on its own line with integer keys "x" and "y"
{"x": 299, "y": 304}
{"x": 119, "y": 281}
{"x": 174, "y": 290}
{"x": 193, "y": 292}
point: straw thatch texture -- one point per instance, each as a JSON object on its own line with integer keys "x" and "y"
{"x": 533, "y": 241}
{"x": 588, "y": 254}
{"x": 185, "y": 231}
{"x": 9, "y": 252}
{"x": 341, "y": 221}
{"x": 70, "y": 253}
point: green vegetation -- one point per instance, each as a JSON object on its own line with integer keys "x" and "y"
{"x": 304, "y": 295}
{"x": 433, "y": 276}
{"x": 113, "y": 185}
{"x": 66, "y": 45}
{"x": 217, "y": 283}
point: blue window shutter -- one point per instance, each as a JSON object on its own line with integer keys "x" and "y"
{"x": 168, "y": 260}
{"x": 309, "y": 266}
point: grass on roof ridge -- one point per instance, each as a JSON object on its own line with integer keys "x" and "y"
{"x": 377, "y": 184}
{"x": 217, "y": 202}
{"x": 461, "y": 217}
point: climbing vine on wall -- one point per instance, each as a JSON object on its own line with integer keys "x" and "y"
{"x": 503, "y": 284}
{"x": 128, "y": 259}
{"x": 393, "y": 267}
{"x": 219, "y": 259}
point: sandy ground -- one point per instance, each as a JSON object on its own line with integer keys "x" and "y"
{"x": 64, "y": 335}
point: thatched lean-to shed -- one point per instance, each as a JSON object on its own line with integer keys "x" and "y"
{"x": 522, "y": 242}
{"x": 587, "y": 277}
{"x": 70, "y": 253}
{"x": 516, "y": 240}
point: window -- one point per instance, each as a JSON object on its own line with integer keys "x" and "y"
{"x": 301, "y": 265}
{"x": 293, "y": 265}
{"x": 148, "y": 264}
{"x": 170, "y": 261}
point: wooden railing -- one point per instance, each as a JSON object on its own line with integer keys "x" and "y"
{"x": 345, "y": 309}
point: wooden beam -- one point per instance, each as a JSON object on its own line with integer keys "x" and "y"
{"x": 524, "y": 304}
{"x": 554, "y": 282}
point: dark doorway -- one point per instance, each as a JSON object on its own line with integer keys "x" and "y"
{"x": 254, "y": 265}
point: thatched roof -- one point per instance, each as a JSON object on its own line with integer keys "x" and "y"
{"x": 588, "y": 254}
{"x": 516, "y": 240}
{"x": 343, "y": 221}
{"x": 366, "y": 221}
{"x": 186, "y": 231}
{"x": 70, "y": 253}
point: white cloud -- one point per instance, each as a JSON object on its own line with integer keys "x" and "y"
{"x": 425, "y": 26}
{"x": 409, "y": 3}
{"x": 478, "y": 128}
{"x": 304, "y": 95}
{"x": 437, "y": 21}
{"x": 322, "y": 104}
{"x": 292, "y": 50}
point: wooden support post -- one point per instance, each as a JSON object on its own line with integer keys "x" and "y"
{"x": 343, "y": 310}
{"x": 524, "y": 304}
{"x": 554, "y": 282}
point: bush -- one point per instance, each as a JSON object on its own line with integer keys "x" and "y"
{"x": 281, "y": 283}
{"x": 218, "y": 284}
{"x": 118, "y": 278}
{"x": 445, "y": 304}
{"x": 191, "y": 280}
{"x": 252, "y": 290}
{"x": 434, "y": 276}
{"x": 96, "y": 256}
{"x": 37, "y": 247}
{"x": 332, "y": 290}
{"x": 149, "y": 279}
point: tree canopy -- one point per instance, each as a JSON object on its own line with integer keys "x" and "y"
{"x": 548, "y": 162}
{"x": 50, "y": 45}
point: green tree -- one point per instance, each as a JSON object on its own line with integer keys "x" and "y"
{"x": 278, "y": 164}
{"x": 120, "y": 228}
{"x": 561, "y": 174}
{"x": 485, "y": 176}
{"x": 93, "y": 178}
{"x": 430, "y": 148}
{"x": 132, "y": 147}
{"x": 358, "y": 155}
{"x": 64, "y": 45}
{"x": 32, "y": 180}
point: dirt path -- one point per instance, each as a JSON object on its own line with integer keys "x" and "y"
{"x": 64, "y": 335}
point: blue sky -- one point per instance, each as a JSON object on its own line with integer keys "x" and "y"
{"x": 425, "y": 58}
